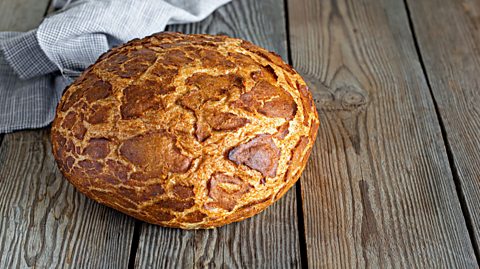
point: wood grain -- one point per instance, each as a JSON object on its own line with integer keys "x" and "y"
{"x": 268, "y": 240}
{"x": 21, "y": 15}
{"x": 449, "y": 49}
{"x": 379, "y": 191}
{"x": 44, "y": 221}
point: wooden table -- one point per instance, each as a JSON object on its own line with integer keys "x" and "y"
{"x": 393, "y": 180}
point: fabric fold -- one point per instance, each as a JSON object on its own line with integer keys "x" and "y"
{"x": 24, "y": 54}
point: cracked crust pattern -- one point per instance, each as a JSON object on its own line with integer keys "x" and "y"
{"x": 188, "y": 131}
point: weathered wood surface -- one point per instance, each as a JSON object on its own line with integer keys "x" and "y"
{"x": 378, "y": 191}
{"x": 448, "y": 36}
{"x": 44, "y": 222}
{"x": 268, "y": 240}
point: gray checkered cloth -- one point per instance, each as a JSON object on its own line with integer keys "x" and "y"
{"x": 36, "y": 66}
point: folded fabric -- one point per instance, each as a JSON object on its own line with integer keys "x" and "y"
{"x": 36, "y": 66}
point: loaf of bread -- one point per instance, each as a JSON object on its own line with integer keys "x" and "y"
{"x": 188, "y": 131}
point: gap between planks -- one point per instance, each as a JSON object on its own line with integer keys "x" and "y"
{"x": 134, "y": 244}
{"x": 403, "y": 222}
{"x": 301, "y": 221}
{"x": 448, "y": 148}
{"x": 51, "y": 186}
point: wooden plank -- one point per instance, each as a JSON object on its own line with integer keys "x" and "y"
{"x": 268, "y": 240}
{"x": 44, "y": 222}
{"x": 448, "y": 37}
{"x": 21, "y": 15}
{"x": 378, "y": 191}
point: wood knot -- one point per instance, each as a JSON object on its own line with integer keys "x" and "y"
{"x": 343, "y": 98}
{"x": 350, "y": 97}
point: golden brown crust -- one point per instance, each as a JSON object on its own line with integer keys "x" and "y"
{"x": 189, "y": 131}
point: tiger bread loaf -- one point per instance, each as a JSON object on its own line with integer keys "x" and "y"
{"x": 188, "y": 131}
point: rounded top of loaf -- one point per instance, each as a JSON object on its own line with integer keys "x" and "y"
{"x": 189, "y": 131}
